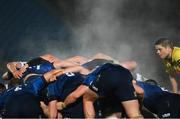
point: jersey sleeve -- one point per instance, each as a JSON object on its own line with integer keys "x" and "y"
{"x": 177, "y": 55}
{"x": 51, "y": 92}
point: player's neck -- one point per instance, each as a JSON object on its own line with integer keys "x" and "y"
{"x": 169, "y": 56}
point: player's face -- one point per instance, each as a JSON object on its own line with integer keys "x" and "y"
{"x": 163, "y": 52}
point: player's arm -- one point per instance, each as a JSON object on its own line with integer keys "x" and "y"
{"x": 44, "y": 108}
{"x": 88, "y": 99}
{"x": 51, "y": 75}
{"x": 51, "y": 58}
{"x": 72, "y": 97}
{"x": 140, "y": 93}
{"x": 78, "y": 59}
{"x": 65, "y": 64}
{"x": 173, "y": 83}
{"x": 75, "y": 69}
{"x": 52, "y": 109}
{"x": 130, "y": 65}
{"x": 138, "y": 89}
{"x": 102, "y": 56}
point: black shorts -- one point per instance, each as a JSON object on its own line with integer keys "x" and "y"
{"x": 74, "y": 110}
{"x": 108, "y": 106}
{"x": 168, "y": 105}
{"x": 117, "y": 81}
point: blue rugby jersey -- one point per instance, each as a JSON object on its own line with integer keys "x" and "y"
{"x": 59, "y": 89}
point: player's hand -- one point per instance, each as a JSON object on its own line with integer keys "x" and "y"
{"x": 17, "y": 74}
{"x": 22, "y": 70}
{"x": 59, "y": 72}
{"x": 60, "y": 105}
{"x": 53, "y": 78}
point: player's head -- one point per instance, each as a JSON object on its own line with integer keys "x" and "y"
{"x": 151, "y": 81}
{"x": 164, "y": 48}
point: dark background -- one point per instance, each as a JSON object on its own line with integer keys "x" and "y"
{"x": 123, "y": 29}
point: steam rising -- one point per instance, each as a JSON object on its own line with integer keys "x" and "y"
{"x": 123, "y": 29}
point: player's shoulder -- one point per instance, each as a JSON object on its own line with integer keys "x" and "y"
{"x": 176, "y": 49}
{"x": 176, "y": 53}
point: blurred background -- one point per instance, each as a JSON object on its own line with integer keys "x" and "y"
{"x": 123, "y": 29}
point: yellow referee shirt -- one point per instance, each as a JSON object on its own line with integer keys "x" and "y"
{"x": 173, "y": 66}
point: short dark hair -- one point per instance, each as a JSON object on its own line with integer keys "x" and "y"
{"x": 164, "y": 42}
{"x": 152, "y": 82}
